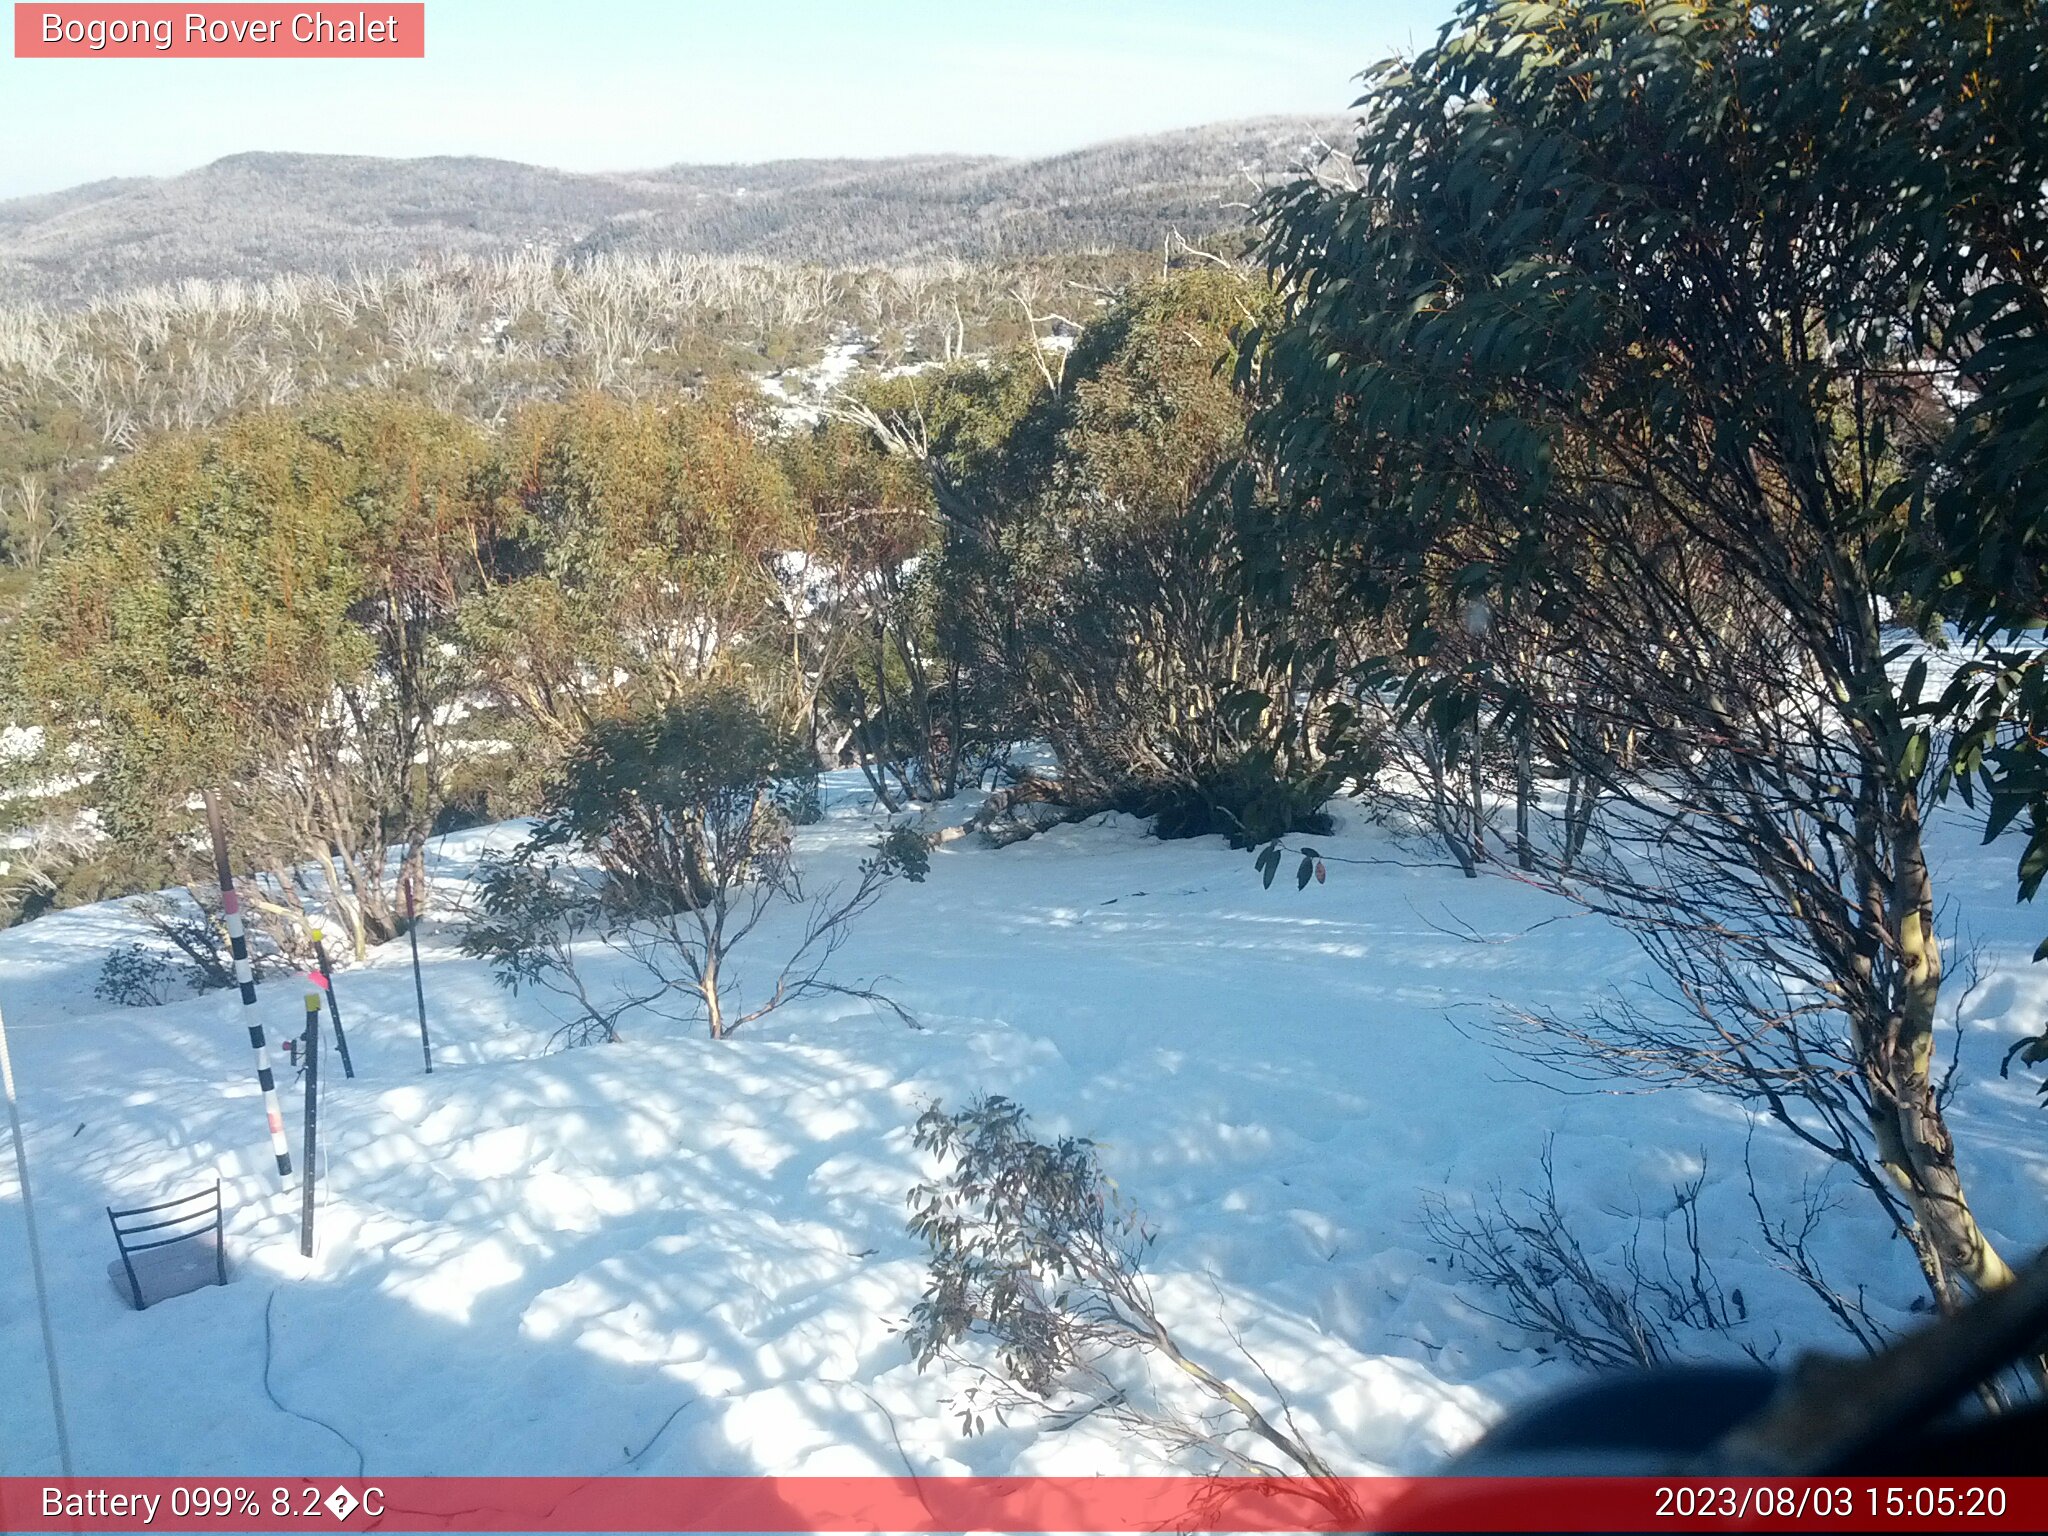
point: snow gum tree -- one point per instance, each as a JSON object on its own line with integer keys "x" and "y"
{"x": 682, "y": 809}
{"x": 1089, "y": 559}
{"x": 1603, "y": 375}
{"x": 866, "y": 619}
{"x": 631, "y": 561}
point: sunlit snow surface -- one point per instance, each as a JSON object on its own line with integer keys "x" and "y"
{"x": 529, "y": 1262}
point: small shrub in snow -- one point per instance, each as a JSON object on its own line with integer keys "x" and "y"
{"x": 903, "y": 850}
{"x": 529, "y": 911}
{"x": 1248, "y": 800}
{"x": 680, "y": 812}
{"x": 678, "y": 806}
{"x": 801, "y": 800}
{"x": 1037, "y": 1260}
{"x": 196, "y": 938}
{"x": 135, "y": 976}
{"x": 1540, "y": 1278}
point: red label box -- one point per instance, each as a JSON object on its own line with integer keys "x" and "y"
{"x": 236, "y": 31}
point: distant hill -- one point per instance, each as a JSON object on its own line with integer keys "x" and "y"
{"x": 252, "y": 215}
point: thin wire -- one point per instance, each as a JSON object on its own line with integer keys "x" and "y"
{"x": 35, "y": 1257}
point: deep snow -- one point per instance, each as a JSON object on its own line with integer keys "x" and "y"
{"x": 679, "y": 1256}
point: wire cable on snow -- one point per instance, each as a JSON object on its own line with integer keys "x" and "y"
{"x": 269, "y": 1307}
{"x": 673, "y": 1415}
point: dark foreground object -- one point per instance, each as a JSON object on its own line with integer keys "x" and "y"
{"x": 1921, "y": 1408}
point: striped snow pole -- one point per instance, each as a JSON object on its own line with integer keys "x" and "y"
{"x": 245, "y": 978}
{"x": 324, "y": 980}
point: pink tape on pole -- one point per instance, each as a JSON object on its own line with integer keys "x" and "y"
{"x": 230, "y": 901}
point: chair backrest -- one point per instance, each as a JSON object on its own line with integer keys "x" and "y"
{"x": 145, "y": 1228}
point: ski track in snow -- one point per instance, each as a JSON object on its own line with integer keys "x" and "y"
{"x": 528, "y": 1262}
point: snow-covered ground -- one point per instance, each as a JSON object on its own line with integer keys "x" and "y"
{"x": 679, "y": 1256}
{"x": 803, "y": 391}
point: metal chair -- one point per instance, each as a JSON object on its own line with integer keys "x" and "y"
{"x": 159, "y": 1267}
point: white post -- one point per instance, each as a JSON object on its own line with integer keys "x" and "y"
{"x": 35, "y": 1256}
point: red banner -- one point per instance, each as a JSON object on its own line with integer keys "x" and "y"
{"x": 1024, "y": 1504}
{"x": 117, "y": 31}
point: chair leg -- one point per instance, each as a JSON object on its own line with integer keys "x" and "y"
{"x": 134, "y": 1284}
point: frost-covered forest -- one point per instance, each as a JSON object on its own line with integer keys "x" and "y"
{"x": 254, "y": 215}
{"x": 1236, "y": 856}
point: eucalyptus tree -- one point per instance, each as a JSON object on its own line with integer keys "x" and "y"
{"x": 1089, "y": 570}
{"x": 267, "y": 609}
{"x": 630, "y": 561}
{"x": 1605, "y": 374}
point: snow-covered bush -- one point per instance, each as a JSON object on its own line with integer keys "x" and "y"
{"x": 529, "y": 911}
{"x": 1539, "y": 1275}
{"x": 1034, "y": 1253}
{"x": 681, "y": 812}
{"x": 135, "y": 976}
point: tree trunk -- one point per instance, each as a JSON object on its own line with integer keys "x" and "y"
{"x": 344, "y": 907}
{"x": 1913, "y": 1136}
{"x": 1443, "y": 808}
{"x": 1475, "y": 785}
{"x": 707, "y": 987}
{"x": 1525, "y": 791}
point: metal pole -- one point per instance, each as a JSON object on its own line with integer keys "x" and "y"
{"x": 312, "y": 1176}
{"x": 324, "y": 979}
{"x": 419, "y": 988}
{"x": 35, "y": 1258}
{"x": 245, "y": 978}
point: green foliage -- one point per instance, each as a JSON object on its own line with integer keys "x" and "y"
{"x": 99, "y": 873}
{"x": 1564, "y": 200}
{"x": 134, "y": 976}
{"x": 1092, "y": 563}
{"x": 1595, "y": 255}
{"x": 1611, "y": 381}
{"x": 530, "y": 911}
{"x": 903, "y": 850}
{"x": 679, "y": 805}
{"x": 800, "y": 798}
{"x": 265, "y": 609}
{"x": 681, "y": 809}
{"x": 1247, "y": 800}
{"x": 1011, "y": 1225}
{"x": 631, "y": 551}
{"x": 206, "y": 597}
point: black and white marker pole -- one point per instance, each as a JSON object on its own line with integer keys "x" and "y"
{"x": 324, "y": 980}
{"x": 419, "y": 988}
{"x": 312, "y": 1176}
{"x": 245, "y": 978}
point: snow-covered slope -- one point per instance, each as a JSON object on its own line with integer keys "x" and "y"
{"x": 673, "y": 1255}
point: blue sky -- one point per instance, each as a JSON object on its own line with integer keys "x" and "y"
{"x": 620, "y": 84}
